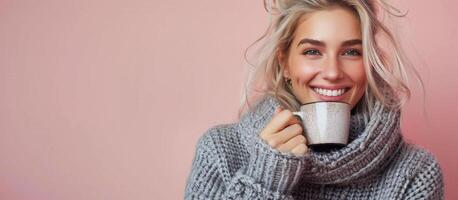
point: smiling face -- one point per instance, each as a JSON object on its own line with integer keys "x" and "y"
{"x": 324, "y": 60}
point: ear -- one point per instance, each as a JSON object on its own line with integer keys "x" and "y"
{"x": 282, "y": 60}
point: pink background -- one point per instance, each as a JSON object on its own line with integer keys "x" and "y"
{"x": 106, "y": 99}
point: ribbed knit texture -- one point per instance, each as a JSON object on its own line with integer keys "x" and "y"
{"x": 232, "y": 162}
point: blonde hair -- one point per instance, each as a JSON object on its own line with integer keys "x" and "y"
{"x": 386, "y": 66}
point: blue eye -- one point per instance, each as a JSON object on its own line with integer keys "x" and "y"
{"x": 352, "y": 52}
{"x": 312, "y": 52}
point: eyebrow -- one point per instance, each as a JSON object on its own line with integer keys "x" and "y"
{"x": 321, "y": 43}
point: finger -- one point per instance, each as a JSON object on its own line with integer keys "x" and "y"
{"x": 299, "y": 150}
{"x": 288, "y": 146}
{"x": 293, "y": 119}
{"x": 266, "y": 131}
{"x": 284, "y": 135}
{"x": 280, "y": 121}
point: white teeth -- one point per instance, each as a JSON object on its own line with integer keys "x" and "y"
{"x": 332, "y": 93}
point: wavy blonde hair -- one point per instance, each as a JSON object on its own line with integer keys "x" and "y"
{"x": 386, "y": 66}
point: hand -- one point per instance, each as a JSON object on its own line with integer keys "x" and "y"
{"x": 284, "y": 133}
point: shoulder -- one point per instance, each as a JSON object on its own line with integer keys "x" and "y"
{"x": 419, "y": 154}
{"x": 223, "y": 146}
{"x": 420, "y": 173}
{"x": 418, "y": 161}
{"x": 219, "y": 136}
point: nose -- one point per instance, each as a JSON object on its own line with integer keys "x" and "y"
{"x": 331, "y": 70}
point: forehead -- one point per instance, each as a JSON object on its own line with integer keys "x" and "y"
{"x": 331, "y": 26}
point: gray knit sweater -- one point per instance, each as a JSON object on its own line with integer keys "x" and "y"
{"x": 232, "y": 162}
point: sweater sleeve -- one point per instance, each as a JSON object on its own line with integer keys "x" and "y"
{"x": 268, "y": 175}
{"x": 428, "y": 182}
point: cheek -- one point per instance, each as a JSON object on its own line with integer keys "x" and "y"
{"x": 358, "y": 75}
{"x": 303, "y": 70}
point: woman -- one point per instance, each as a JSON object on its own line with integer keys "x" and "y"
{"x": 320, "y": 50}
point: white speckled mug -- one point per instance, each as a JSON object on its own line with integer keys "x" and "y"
{"x": 325, "y": 123}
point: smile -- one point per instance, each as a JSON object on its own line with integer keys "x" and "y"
{"x": 331, "y": 93}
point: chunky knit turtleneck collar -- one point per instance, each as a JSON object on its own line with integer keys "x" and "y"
{"x": 371, "y": 145}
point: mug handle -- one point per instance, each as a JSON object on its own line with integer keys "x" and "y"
{"x": 299, "y": 114}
